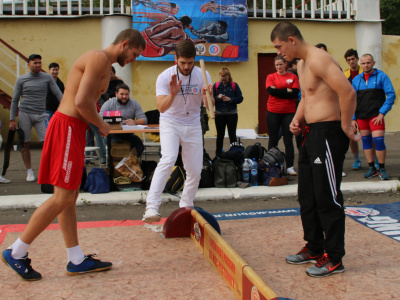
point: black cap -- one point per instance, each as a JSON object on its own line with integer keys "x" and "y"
{"x": 34, "y": 56}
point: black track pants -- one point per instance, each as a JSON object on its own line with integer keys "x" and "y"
{"x": 320, "y": 175}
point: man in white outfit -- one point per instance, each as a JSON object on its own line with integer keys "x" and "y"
{"x": 180, "y": 92}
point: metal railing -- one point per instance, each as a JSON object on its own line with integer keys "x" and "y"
{"x": 12, "y": 65}
{"x": 296, "y": 9}
{"x": 306, "y": 9}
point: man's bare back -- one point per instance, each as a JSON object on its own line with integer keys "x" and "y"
{"x": 87, "y": 80}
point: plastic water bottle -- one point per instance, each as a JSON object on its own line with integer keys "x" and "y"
{"x": 246, "y": 171}
{"x": 254, "y": 173}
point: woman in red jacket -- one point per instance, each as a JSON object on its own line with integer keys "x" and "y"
{"x": 283, "y": 88}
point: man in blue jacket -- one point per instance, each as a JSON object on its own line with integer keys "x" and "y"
{"x": 375, "y": 98}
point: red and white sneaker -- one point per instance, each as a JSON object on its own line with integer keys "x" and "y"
{"x": 325, "y": 266}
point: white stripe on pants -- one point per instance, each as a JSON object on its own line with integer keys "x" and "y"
{"x": 171, "y": 135}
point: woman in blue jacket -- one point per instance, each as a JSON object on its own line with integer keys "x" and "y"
{"x": 227, "y": 95}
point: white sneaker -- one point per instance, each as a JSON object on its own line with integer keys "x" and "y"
{"x": 3, "y": 180}
{"x": 151, "y": 215}
{"x": 291, "y": 171}
{"x": 344, "y": 174}
{"x": 30, "y": 176}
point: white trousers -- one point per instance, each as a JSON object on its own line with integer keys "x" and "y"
{"x": 172, "y": 135}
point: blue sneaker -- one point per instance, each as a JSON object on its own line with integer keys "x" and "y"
{"x": 376, "y": 164}
{"x": 357, "y": 165}
{"x": 372, "y": 172}
{"x": 383, "y": 175}
{"x": 22, "y": 266}
{"x": 89, "y": 264}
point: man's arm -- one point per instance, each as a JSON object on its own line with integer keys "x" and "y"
{"x": 298, "y": 119}
{"x": 14, "y": 103}
{"x": 138, "y": 117}
{"x": 326, "y": 68}
{"x": 164, "y": 102}
{"x": 55, "y": 89}
{"x": 96, "y": 69}
{"x": 390, "y": 95}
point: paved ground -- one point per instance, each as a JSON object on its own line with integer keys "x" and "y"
{"x": 17, "y": 173}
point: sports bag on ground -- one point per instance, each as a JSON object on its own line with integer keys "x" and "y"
{"x": 255, "y": 151}
{"x": 97, "y": 181}
{"x": 226, "y": 173}
{"x": 176, "y": 181}
{"x": 270, "y": 176}
{"x": 235, "y": 153}
{"x": 275, "y": 158}
{"x": 148, "y": 168}
{"x": 207, "y": 172}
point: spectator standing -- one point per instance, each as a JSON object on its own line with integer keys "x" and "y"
{"x": 227, "y": 95}
{"x": 351, "y": 57}
{"x": 2, "y": 179}
{"x": 283, "y": 88}
{"x": 52, "y": 102}
{"x": 132, "y": 114}
{"x": 375, "y": 98}
{"x": 32, "y": 89}
{"x": 180, "y": 92}
{"x": 293, "y": 69}
{"x": 114, "y": 81}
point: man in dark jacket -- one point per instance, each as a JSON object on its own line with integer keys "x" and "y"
{"x": 51, "y": 100}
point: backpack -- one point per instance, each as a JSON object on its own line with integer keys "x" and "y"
{"x": 255, "y": 151}
{"x": 207, "y": 172}
{"x": 270, "y": 175}
{"x": 226, "y": 173}
{"x": 176, "y": 180}
{"x": 232, "y": 83}
{"x": 235, "y": 153}
{"x": 275, "y": 158}
{"x": 97, "y": 181}
{"x": 148, "y": 168}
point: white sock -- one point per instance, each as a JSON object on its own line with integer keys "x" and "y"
{"x": 75, "y": 255}
{"x": 29, "y": 171}
{"x": 19, "y": 249}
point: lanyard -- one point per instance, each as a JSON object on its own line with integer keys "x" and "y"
{"x": 190, "y": 77}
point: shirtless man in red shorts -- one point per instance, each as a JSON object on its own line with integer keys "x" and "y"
{"x": 63, "y": 154}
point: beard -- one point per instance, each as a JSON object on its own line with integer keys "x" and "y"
{"x": 121, "y": 59}
{"x": 185, "y": 73}
{"x": 120, "y": 102}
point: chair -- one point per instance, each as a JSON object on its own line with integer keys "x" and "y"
{"x": 155, "y": 148}
{"x": 90, "y": 156}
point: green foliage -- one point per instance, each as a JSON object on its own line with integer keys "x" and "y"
{"x": 390, "y": 12}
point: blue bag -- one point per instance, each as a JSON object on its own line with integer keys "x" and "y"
{"x": 97, "y": 181}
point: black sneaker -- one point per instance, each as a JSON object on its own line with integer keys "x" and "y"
{"x": 304, "y": 256}
{"x": 89, "y": 264}
{"x": 325, "y": 266}
{"x": 21, "y": 266}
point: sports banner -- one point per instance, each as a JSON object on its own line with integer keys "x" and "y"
{"x": 218, "y": 28}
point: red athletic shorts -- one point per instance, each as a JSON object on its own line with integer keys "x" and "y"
{"x": 368, "y": 124}
{"x": 63, "y": 155}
